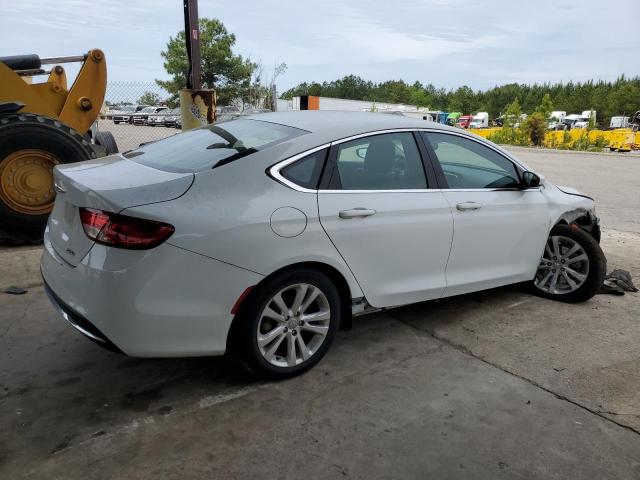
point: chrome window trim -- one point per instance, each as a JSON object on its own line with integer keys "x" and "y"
{"x": 274, "y": 170}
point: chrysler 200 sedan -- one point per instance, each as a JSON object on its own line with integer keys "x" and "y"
{"x": 261, "y": 236}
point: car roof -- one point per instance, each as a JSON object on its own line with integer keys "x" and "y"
{"x": 332, "y": 125}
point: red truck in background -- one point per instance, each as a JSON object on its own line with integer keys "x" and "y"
{"x": 464, "y": 121}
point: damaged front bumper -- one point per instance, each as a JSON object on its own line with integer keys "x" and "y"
{"x": 587, "y": 220}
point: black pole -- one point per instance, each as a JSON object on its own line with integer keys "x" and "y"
{"x": 192, "y": 36}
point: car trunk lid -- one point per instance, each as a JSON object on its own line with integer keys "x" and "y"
{"x": 110, "y": 184}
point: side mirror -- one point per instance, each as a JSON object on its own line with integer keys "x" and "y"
{"x": 361, "y": 152}
{"x": 530, "y": 180}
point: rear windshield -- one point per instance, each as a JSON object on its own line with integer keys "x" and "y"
{"x": 212, "y": 146}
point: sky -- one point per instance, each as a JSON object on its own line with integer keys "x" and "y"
{"x": 448, "y": 43}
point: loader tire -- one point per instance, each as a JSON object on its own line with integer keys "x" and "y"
{"x": 30, "y": 147}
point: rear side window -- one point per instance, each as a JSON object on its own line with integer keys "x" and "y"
{"x": 212, "y": 146}
{"x": 306, "y": 171}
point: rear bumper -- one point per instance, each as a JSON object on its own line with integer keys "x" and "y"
{"x": 78, "y": 322}
{"x": 163, "y": 302}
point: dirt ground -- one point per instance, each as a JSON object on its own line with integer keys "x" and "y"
{"x": 496, "y": 384}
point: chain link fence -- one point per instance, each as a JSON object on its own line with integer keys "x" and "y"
{"x": 138, "y": 112}
{"x": 141, "y": 112}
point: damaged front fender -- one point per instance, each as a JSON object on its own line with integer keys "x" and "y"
{"x": 585, "y": 219}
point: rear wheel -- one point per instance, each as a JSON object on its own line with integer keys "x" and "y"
{"x": 30, "y": 147}
{"x": 572, "y": 267}
{"x": 288, "y": 325}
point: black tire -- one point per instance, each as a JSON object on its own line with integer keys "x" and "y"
{"x": 243, "y": 342}
{"x": 29, "y": 131}
{"x": 597, "y": 266}
{"x": 107, "y": 140}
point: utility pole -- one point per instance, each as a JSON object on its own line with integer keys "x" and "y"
{"x": 197, "y": 105}
{"x": 192, "y": 35}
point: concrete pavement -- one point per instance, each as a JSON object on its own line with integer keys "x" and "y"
{"x": 389, "y": 401}
{"x": 497, "y": 384}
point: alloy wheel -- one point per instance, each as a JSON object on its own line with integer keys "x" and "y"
{"x": 293, "y": 325}
{"x": 564, "y": 266}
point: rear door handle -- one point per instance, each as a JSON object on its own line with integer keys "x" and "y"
{"x": 356, "y": 213}
{"x": 468, "y": 206}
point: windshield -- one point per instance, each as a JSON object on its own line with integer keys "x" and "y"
{"x": 212, "y": 146}
{"x": 148, "y": 110}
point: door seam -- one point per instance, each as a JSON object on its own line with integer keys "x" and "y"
{"x": 336, "y": 248}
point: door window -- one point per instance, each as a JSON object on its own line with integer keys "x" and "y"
{"x": 379, "y": 162}
{"x": 469, "y": 164}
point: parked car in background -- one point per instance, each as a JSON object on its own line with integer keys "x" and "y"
{"x": 480, "y": 120}
{"x": 260, "y": 236}
{"x": 228, "y": 110}
{"x": 157, "y": 119}
{"x": 123, "y": 115}
{"x": 140, "y": 118}
{"x": 171, "y": 117}
{"x": 178, "y": 122}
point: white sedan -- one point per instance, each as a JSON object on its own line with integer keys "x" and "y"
{"x": 261, "y": 236}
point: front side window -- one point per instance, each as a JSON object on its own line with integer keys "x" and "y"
{"x": 469, "y": 164}
{"x": 379, "y": 162}
{"x": 212, "y": 146}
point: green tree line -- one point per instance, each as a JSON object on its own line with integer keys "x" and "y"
{"x": 621, "y": 96}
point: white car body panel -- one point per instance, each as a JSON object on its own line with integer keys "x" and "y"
{"x": 159, "y": 304}
{"x": 399, "y": 254}
{"x": 237, "y": 228}
{"x": 497, "y": 243}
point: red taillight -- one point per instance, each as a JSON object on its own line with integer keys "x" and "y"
{"x": 122, "y": 231}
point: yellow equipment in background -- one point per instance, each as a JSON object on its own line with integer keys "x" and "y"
{"x": 43, "y": 125}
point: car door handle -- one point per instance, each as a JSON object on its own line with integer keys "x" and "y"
{"x": 468, "y": 206}
{"x": 356, "y": 213}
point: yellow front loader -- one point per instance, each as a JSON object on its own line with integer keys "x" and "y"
{"x": 43, "y": 125}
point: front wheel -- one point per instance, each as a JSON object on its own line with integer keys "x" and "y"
{"x": 573, "y": 266}
{"x": 288, "y": 325}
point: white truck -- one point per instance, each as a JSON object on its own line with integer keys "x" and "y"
{"x": 480, "y": 120}
{"x": 619, "y": 122}
{"x": 585, "y": 118}
{"x": 556, "y": 120}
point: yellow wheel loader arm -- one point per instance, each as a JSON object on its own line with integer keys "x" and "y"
{"x": 77, "y": 107}
{"x": 43, "y": 125}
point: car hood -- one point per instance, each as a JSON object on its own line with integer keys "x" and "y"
{"x": 572, "y": 191}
